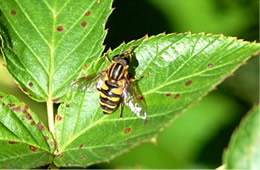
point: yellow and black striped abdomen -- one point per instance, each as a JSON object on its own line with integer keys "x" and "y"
{"x": 110, "y": 95}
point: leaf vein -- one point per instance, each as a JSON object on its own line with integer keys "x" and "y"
{"x": 74, "y": 24}
{"x": 75, "y": 47}
{"x": 29, "y": 47}
{"x": 31, "y": 22}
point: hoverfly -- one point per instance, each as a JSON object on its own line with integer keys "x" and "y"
{"x": 115, "y": 87}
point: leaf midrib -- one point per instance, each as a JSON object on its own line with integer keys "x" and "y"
{"x": 51, "y": 61}
{"x": 103, "y": 119}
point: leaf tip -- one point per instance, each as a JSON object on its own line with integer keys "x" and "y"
{"x": 146, "y": 35}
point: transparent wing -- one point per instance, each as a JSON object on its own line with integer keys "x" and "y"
{"x": 134, "y": 100}
{"x": 88, "y": 83}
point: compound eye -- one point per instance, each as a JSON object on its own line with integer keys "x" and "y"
{"x": 125, "y": 61}
{"x": 116, "y": 58}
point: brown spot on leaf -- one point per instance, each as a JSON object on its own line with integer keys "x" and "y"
{"x": 81, "y": 146}
{"x": 16, "y": 109}
{"x": 168, "y": 94}
{"x": 84, "y": 23}
{"x": 210, "y": 65}
{"x": 25, "y": 90}
{"x": 40, "y": 126}
{"x": 87, "y": 13}
{"x": 146, "y": 122}
{"x": 176, "y": 96}
{"x": 127, "y": 130}
{"x": 10, "y": 105}
{"x": 32, "y": 123}
{"x": 28, "y": 116}
{"x": 1, "y": 97}
{"x": 140, "y": 97}
{"x": 67, "y": 105}
{"x": 46, "y": 137}
{"x": 59, "y": 118}
{"x": 32, "y": 148}
{"x": 188, "y": 83}
{"x": 52, "y": 143}
{"x": 60, "y": 28}
{"x": 12, "y": 142}
{"x": 13, "y": 12}
{"x": 55, "y": 100}
{"x": 4, "y": 65}
{"x": 25, "y": 109}
{"x": 31, "y": 84}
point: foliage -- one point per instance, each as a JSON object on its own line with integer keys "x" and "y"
{"x": 244, "y": 150}
{"x": 51, "y": 47}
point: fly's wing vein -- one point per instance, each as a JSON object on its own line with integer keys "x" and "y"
{"x": 88, "y": 83}
{"x": 130, "y": 97}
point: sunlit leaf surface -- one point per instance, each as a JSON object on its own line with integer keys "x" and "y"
{"x": 183, "y": 68}
{"x": 50, "y": 41}
{"x": 244, "y": 149}
{"x": 24, "y": 140}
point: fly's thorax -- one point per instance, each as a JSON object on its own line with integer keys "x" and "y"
{"x": 117, "y": 71}
{"x": 123, "y": 59}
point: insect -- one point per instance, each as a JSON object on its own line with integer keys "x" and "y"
{"x": 115, "y": 86}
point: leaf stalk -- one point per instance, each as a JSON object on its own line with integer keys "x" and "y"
{"x": 50, "y": 116}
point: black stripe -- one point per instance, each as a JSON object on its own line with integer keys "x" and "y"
{"x": 120, "y": 72}
{"x": 106, "y": 108}
{"x": 116, "y": 72}
{"x": 109, "y": 93}
{"x": 111, "y": 68}
{"x": 108, "y": 101}
{"x": 111, "y": 85}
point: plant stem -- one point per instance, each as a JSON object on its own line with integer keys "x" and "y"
{"x": 50, "y": 116}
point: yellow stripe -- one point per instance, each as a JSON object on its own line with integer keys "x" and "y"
{"x": 118, "y": 90}
{"x": 104, "y": 86}
{"x": 105, "y": 104}
{"x": 118, "y": 71}
{"x": 114, "y": 99}
{"x": 122, "y": 73}
{"x": 107, "y": 111}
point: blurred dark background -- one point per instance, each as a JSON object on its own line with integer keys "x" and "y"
{"x": 197, "y": 139}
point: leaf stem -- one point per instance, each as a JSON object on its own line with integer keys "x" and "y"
{"x": 50, "y": 116}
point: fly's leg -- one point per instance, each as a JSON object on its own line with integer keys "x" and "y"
{"x": 121, "y": 110}
{"x": 139, "y": 78}
{"x": 107, "y": 58}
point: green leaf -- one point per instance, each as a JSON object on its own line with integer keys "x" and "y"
{"x": 24, "y": 140}
{"x": 50, "y": 41}
{"x": 183, "y": 68}
{"x": 244, "y": 150}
